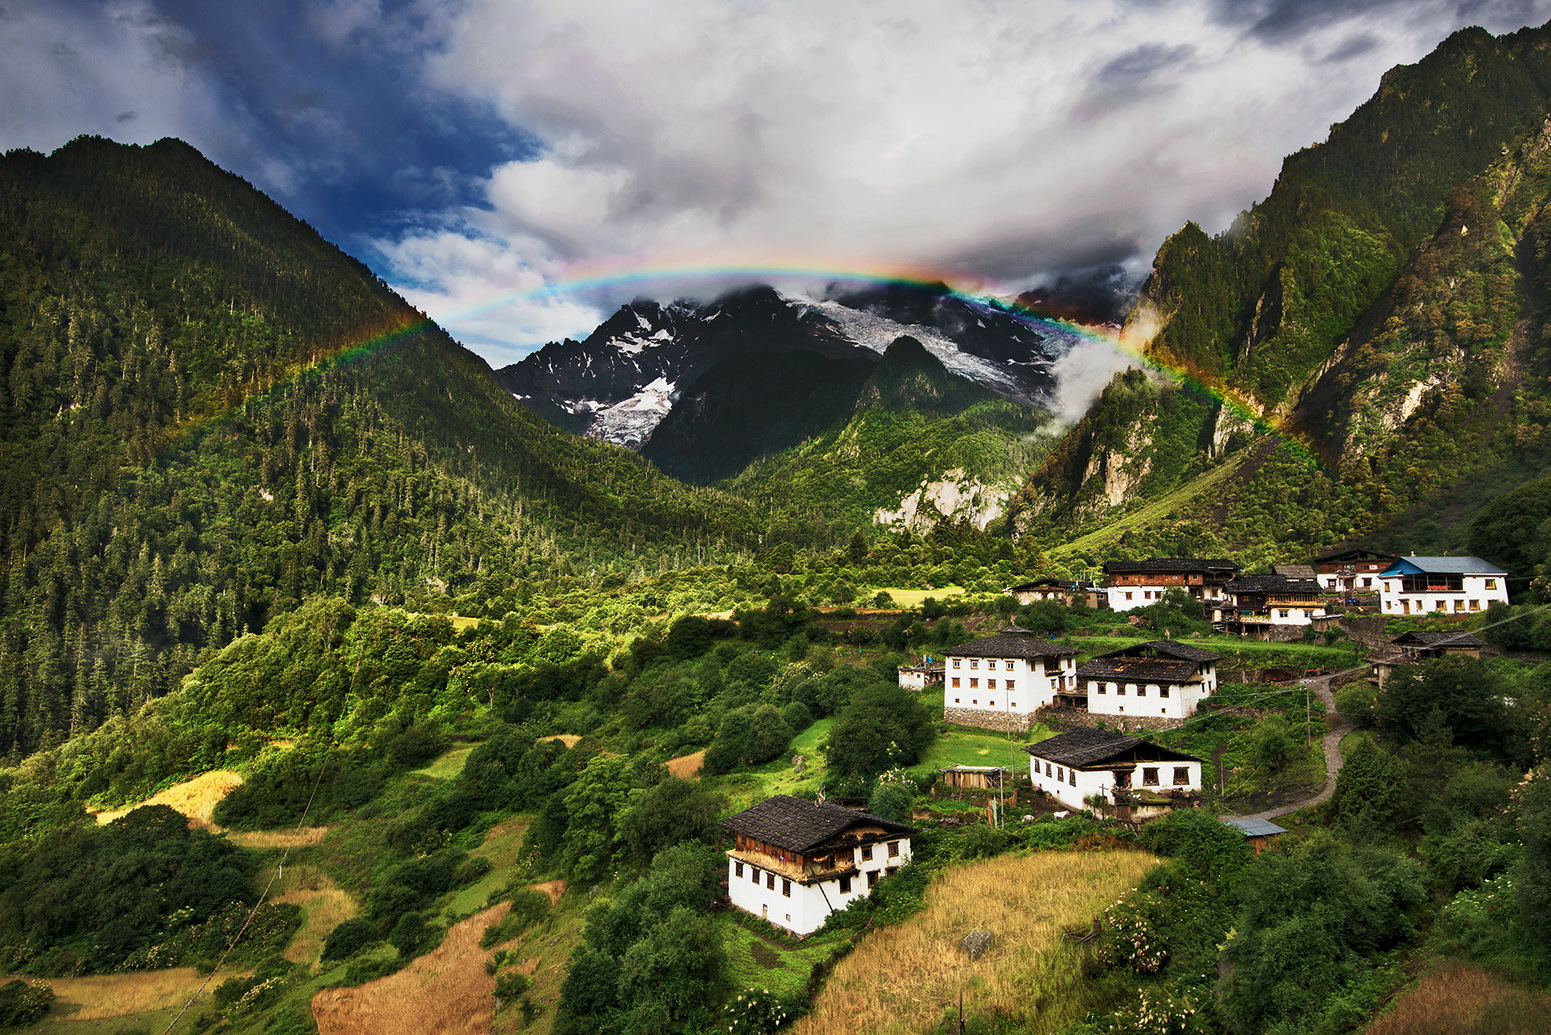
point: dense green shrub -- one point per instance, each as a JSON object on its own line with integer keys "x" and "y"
{"x": 22, "y": 1004}
{"x": 349, "y": 937}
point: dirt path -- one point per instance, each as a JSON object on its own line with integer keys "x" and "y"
{"x": 1331, "y": 742}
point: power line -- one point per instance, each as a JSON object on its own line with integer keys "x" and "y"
{"x": 263, "y": 896}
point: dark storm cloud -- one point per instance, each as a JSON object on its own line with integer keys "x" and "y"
{"x": 1141, "y": 66}
{"x": 307, "y": 100}
{"x": 1352, "y": 47}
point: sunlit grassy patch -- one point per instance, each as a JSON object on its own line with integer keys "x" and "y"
{"x": 449, "y": 764}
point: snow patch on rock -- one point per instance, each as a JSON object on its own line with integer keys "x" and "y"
{"x": 630, "y": 422}
{"x": 879, "y": 332}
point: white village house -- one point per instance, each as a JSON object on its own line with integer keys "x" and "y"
{"x": 1154, "y": 685}
{"x": 1272, "y": 606}
{"x": 797, "y": 861}
{"x": 1085, "y": 763}
{"x": 1132, "y": 584}
{"x": 1451, "y": 585}
{"x": 999, "y": 682}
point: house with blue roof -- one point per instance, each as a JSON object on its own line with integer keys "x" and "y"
{"x": 1447, "y": 585}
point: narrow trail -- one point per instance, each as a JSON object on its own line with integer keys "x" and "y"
{"x": 1331, "y": 742}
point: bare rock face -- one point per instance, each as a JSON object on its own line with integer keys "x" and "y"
{"x": 955, "y": 495}
{"x": 976, "y": 943}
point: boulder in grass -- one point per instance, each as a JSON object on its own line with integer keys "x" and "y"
{"x": 976, "y": 943}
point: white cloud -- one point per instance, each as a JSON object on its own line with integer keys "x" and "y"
{"x": 998, "y": 140}
{"x": 486, "y": 294}
{"x": 118, "y": 69}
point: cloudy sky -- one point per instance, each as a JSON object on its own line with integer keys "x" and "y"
{"x": 515, "y": 166}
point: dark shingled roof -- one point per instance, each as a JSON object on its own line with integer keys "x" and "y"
{"x": 1085, "y": 747}
{"x": 1170, "y": 564}
{"x": 1353, "y": 554}
{"x": 1271, "y": 583}
{"x": 1131, "y": 670}
{"x": 799, "y": 825}
{"x": 1438, "y": 639}
{"x": 1012, "y": 642}
{"x": 1166, "y": 648}
{"x": 1042, "y": 584}
{"x": 1297, "y": 571}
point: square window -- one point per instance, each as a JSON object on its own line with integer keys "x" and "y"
{"x": 845, "y": 885}
{"x": 872, "y": 878}
{"x": 955, "y": 662}
{"x": 1009, "y": 685}
{"x": 990, "y": 684}
{"x": 974, "y": 684}
{"x": 866, "y": 853}
{"x": 893, "y": 849}
{"x": 955, "y": 682}
{"x": 1491, "y": 583}
{"x": 1163, "y": 691}
{"x": 1141, "y": 691}
{"x": 1121, "y": 692}
{"x": 974, "y": 662}
{"x": 1150, "y": 776}
{"x": 1181, "y": 776}
{"x": 1102, "y": 690}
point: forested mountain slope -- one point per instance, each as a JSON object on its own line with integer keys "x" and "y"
{"x": 210, "y": 414}
{"x": 1376, "y": 325}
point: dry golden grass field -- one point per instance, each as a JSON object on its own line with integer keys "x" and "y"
{"x": 906, "y": 978}
{"x": 196, "y": 798}
{"x": 445, "y": 992}
{"x": 325, "y": 905}
{"x": 1464, "y": 1000}
{"x": 296, "y": 837}
{"x": 155, "y": 994}
{"x": 687, "y": 767}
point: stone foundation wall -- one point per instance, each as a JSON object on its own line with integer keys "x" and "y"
{"x": 1066, "y": 718}
{"x": 1002, "y": 722}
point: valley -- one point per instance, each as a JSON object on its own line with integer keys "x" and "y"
{"x": 349, "y": 685}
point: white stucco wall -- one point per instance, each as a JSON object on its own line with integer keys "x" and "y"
{"x": 1105, "y": 697}
{"x": 1032, "y": 688}
{"x": 1058, "y": 784}
{"x": 1478, "y": 594}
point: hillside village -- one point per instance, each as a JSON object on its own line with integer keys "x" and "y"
{"x": 1100, "y": 761}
